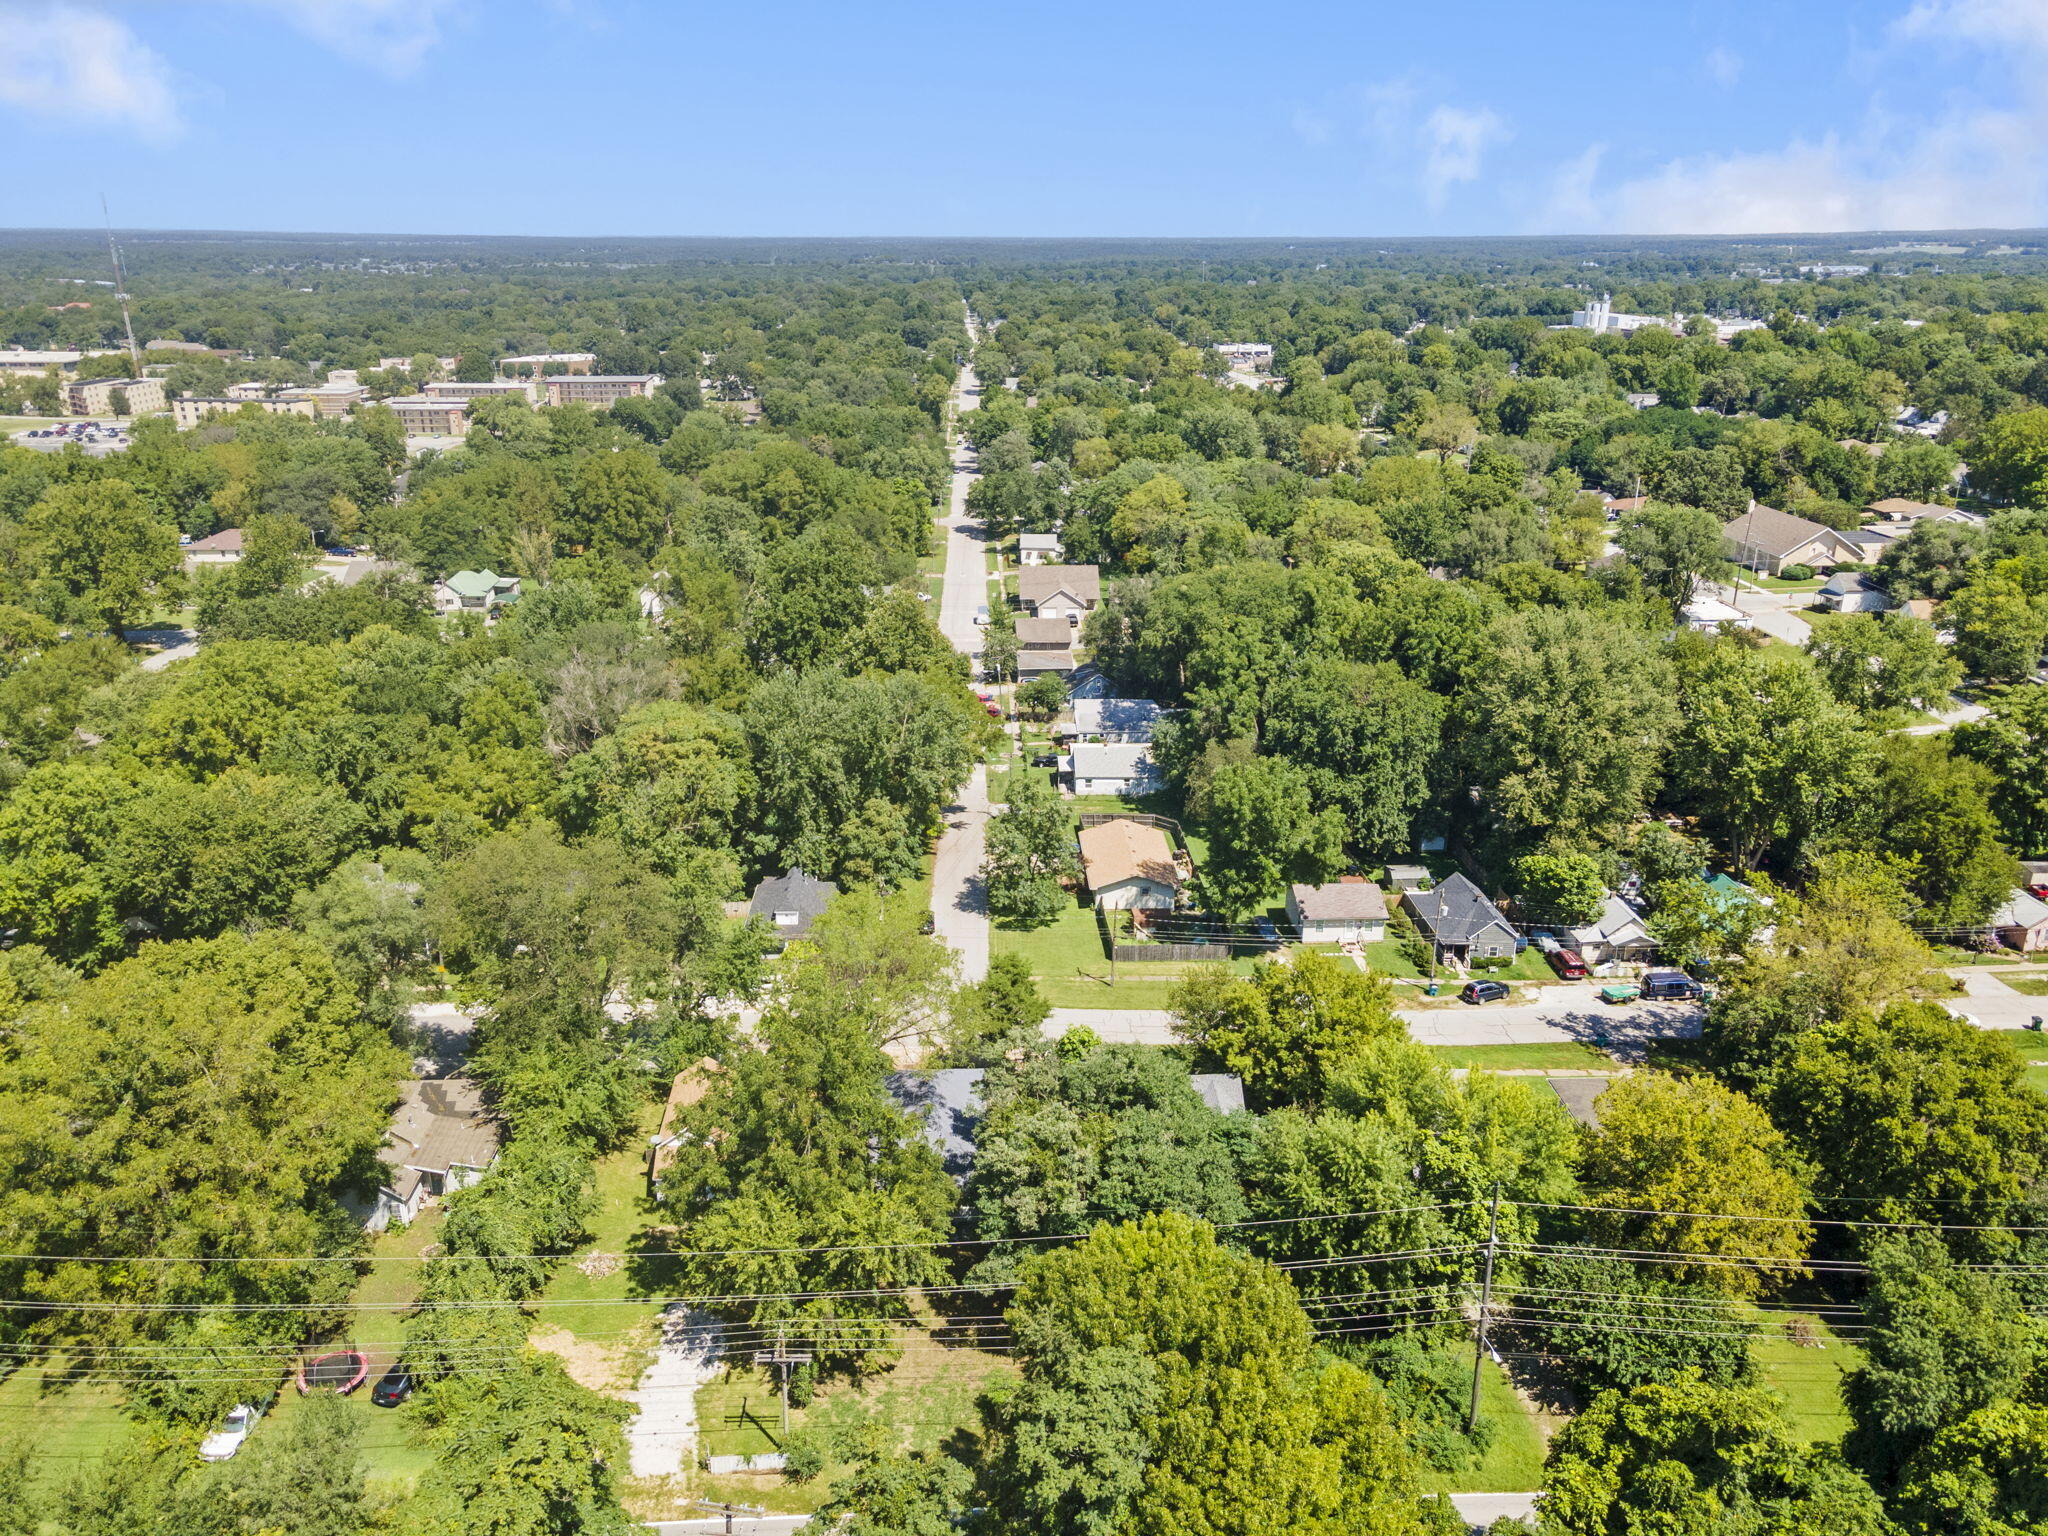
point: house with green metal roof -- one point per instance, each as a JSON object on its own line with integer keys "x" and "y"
{"x": 474, "y": 592}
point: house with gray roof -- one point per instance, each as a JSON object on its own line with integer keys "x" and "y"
{"x": 1455, "y": 916}
{"x": 442, "y": 1138}
{"x": 948, "y": 1102}
{"x": 1112, "y": 720}
{"x": 1351, "y": 910}
{"x": 791, "y": 903}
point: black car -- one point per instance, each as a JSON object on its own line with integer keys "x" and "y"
{"x": 1046, "y": 760}
{"x": 1483, "y": 991}
{"x": 393, "y": 1387}
{"x": 1672, "y": 986}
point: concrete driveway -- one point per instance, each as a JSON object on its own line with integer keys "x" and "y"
{"x": 1993, "y": 1004}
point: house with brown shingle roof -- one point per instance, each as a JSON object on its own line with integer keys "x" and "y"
{"x": 1351, "y": 910}
{"x": 1129, "y": 865}
{"x": 1766, "y": 540}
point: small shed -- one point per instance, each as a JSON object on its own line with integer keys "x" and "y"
{"x": 1402, "y": 878}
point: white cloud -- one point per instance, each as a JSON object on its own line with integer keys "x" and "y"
{"x": 1723, "y": 66}
{"x": 391, "y": 36}
{"x": 1929, "y": 165}
{"x": 66, "y": 63}
{"x": 1456, "y": 139}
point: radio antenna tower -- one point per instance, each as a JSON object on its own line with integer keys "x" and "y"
{"x": 121, "y": 290}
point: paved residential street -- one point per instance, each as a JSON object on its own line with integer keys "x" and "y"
{"x": 1564, "y": 1015}
{"x": 1481, "y": 1509}
{"x": 959, "y": 902}
{"x": 742, "y": 1525}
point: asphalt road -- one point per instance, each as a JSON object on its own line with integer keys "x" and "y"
{"x": 959, "y": 895}
{"x": 1555, "y": 1020}
{"x": 742, "y": 1525}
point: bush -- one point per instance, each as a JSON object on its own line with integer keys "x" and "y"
{"x": 1429, "y": 1382}
{"x": 1796, "y": 573}
{"x": 1484, "y": 963}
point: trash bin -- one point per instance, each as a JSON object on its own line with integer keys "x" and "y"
{"x": 1432, "y": 989}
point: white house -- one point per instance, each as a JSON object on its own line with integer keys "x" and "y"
{"x": 1114, "y": 768}
{"x": 1707, "y": 614}
{"x": 223, "y": 548}
{"x": 1115, "y": 719}
{"x": 441, "y": 1139}
{"x": 474, "y": 592}
{"x": 1039, "y": 549}
{"x": 1854, "y": 592}
{"x": 1618, "y": 933}
{"x": 1348, "y": 911}
{"x": 1129, "y": 865}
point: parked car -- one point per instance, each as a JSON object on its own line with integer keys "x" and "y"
{"x": 1547, "y": 944}
{"x": 1620, "y": 992}
{"x": 1963, "y": 1017}
{"x": 1672, "y": 986}
{"x": 1568, "y": 963}
{"x": 393, "y": 1387}
{"x": 981, "y": 614}
{"x": 234, "y": 1429}
{"x": 1046, "y": 760}
{"x": 1483, "y": 991}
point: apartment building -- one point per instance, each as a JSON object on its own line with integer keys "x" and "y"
{"x": 22, "y": 360}
{"x": 599, "y": 388}
{"x": 537, "y": 364}
{"x": 188, "y": 411}
{"x": 461, "y": 389}
{"x": 95, "y": 397}
{"x": 330, "y": 400}
{"x": 427, "y": 416}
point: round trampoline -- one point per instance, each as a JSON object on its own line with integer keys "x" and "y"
{"x": 338, "y": 1371}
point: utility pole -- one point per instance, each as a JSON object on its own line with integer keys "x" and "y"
{"x": 729, "y": 1510}
{"x": 783, "y": 1359}
{"x": 1485, "y": 1303}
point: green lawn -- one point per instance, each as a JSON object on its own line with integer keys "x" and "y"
{"x": 2032, "y": 986}
{"x": 1780, "y": 584}
{"x": 9, "y": 425}
{"x": 1385, "y": 957}
{"x": 1564, "y": 1057}
{"x": 583, "y": 1298}
{"x": 926, "y": 1397}
{"x": 2037, "y": 1077}
{"x": 1513, "y": 1463}
{"x": 1944, "y": 955}
{"x": 1073, "y": 970}
{"x": 69, "y": 1427}
{"x": 1810, "y": 1379}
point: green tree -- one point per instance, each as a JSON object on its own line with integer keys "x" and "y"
{"x": 522, "y": 1452}
{"x": 2012, "y": 741}
{"x": 1366, "y": 736}
{"x": 1169, "y": 1385}
{"x": 1930, "y": 811}
{"x": 244, "y": 1064}
{"x": 1031, "y": 853}
{"x": 306, "y": 1476}
{"x": 1889, "y": 663}
{"x": 1560, "y": 887}
{"x": 1675, "y": 547}
{"x": 1691, "y": 1168}
{"x": 2000, "y": 629}
{"x": 1941, "y": 1342}
{"x": 98, "y": 549}
{"x": 1763, "y": 755}
{"x": 1567, "y": 727}
{"x": 1691, "y": 1459}
{"x": 2009, "y": 458}
{"x": 1264, "y": 833}
{"x": 1285, "y": 1027}
{"x": 1916, "y": 1114}
{"x": 1981, "y": 1477}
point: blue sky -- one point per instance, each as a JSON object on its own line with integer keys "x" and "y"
{"x": 673, "y": 117}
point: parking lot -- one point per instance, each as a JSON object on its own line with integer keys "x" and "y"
{"x": 97, "y": 438}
